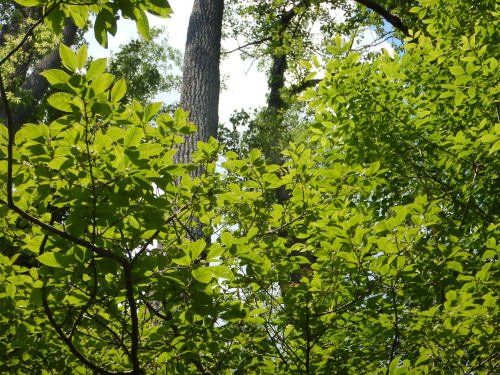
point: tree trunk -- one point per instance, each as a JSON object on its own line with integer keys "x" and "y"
{"x": 35, "y": 84}
{"x": 201, "y": 77}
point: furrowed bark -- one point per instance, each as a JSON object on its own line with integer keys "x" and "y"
{"x": 201, "y": 75}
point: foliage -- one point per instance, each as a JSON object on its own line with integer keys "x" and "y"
{"x": 148, "y": 67}
{"x": 382, "y": 261}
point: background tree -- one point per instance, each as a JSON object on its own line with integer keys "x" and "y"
{"x": 149, "y": 67}
{"x": 285, "y": 37}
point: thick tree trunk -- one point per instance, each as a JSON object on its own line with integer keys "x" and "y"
{"x": 201, "y": 77}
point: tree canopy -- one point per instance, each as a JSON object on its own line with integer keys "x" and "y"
{"x": 381, "y": 257}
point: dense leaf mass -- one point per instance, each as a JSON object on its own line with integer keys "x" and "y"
{"x": 383, "y": 259}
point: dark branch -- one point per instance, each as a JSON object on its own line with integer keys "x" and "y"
{"x": 247, "y": 45}
{"x": 391, "y": 18}
{"x": 68, "y": 340}
{"x": 396, "y": 330}
{"x": 100, "y": 251}
{"x": 10, "y": 145}
{"x": 134, "y": 334}
{"x": 298, "y": 88}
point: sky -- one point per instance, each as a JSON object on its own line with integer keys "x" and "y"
{"x": 246, "y": 86}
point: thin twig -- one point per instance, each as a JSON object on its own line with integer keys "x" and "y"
{"x": 247, "y": 45}
{"x": 158, "y": 231}
{"x": 29, "y": 33}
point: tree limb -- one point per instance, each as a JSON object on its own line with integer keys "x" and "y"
{"x": 298, "y": 88}
{"x": 247, "y": 45}
{"x": 389, "y": 17}
{"x": 68, "y": 340}
{"x": 134, "y": 333}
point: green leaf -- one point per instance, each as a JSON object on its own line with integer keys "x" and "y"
{"x": 151, "y": 110}
{"x": 133, "y": 137}
{"x": 184, "y": 261}
{"x": 79, "y": 14}
{"x": 223, "y": 272}
{"x": 96, "y": 68}
{"x": 195, "y": 248}
{"x": 10, "y": 290}
{"x": 68, "y": 57}
{"x": 55, "y": 260}
{"x": 119, "y": 90}
{"x": 56, "y": 163}
{"x": 61, "y": 101}
{"x": 215, "y": 252}
{"x": 105, "y": 22}
{"x": 309, "y": 94}
{"x": 454, "y": 265}
{"x": 495, "y": 147}
{"x": 305, "y": 64}
{"x": 102, "y": 83}
{"x": 393, "y": 366}
{"x": 81, "y": 56}
{"x": 28, "y": 3}
{"x": 55, "y": 20}
{"x": 142, "y": 23}
{"x": 55, "y": 76}
{"x": 159, "y": 8}
{"x": 202, "y": 274}
{"x": 457, "y": 70}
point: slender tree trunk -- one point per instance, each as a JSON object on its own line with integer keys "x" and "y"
{"x": 201, "y": 76}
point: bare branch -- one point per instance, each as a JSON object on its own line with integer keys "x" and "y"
{"x": 247, "y": 45}
{"x": 391, "y": 18}
{"x": 298, "y": 88}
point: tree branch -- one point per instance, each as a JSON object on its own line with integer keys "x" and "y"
{"x": 134, "y": 334}
{"x": 396, "y": 329}
{"x": 298, "y": 88}
{"x": 10, "y": 144}
{"x": 391, "y": 18}
{"x": 247, "y": 45}
{"x": 100, "y": 251}
{"x": 68, "y": 340}
{"x": 157, "y": 232}
{"x": 29, "y": 33}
